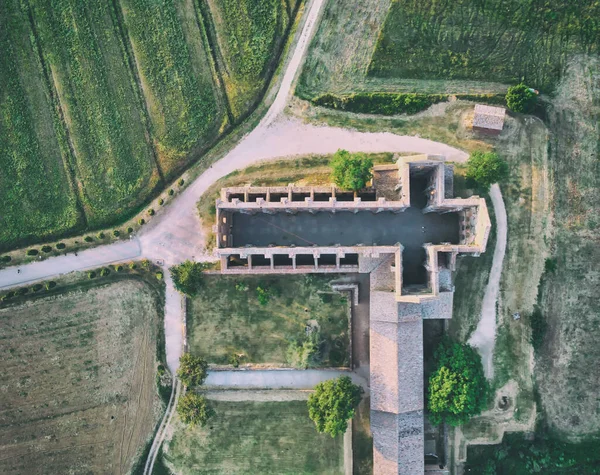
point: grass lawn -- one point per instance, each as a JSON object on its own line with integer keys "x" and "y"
{"x": 37, "y": 198}
{"x": 255, "y": 437}
{"x": 177, "y": 80}
{"x": 86, "y": 60}
{"x": 78, "y": 390}
{"x": 226, "y": 318}
{"x": 497, "y": 40}
{"x": 250, "y": 35}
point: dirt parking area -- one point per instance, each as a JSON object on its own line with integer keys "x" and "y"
{"x": 77, "y": 386}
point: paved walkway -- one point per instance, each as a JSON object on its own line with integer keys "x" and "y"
{"x": 484, "y": 336}
{"x": 276, "y": 379}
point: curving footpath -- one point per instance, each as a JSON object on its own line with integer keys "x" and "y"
{"x": 484, "y": 336}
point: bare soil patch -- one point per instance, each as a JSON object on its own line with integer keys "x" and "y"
{"x": 78, "y": 391}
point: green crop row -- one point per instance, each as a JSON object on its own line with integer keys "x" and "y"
{"x": 175, "y": 71}
{"x": 36, "y": 199}
{"x": 114, "y": 162}
{"x": 249, "y": 34}
{"x": 497, "y": 40}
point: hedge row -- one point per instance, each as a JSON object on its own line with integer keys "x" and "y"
{"x": 383, "y": 103}
{"x": 386, "y": 103}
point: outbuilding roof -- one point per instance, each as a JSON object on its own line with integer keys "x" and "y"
{"x": 489, "y": 117}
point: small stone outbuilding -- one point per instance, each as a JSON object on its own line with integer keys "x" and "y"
{"x": 488, "y": 119}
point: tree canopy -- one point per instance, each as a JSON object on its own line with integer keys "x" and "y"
{"x": 193, "y": 409}
{"x": 333, "y": 404}
{"x": 192, "y": 370}
{"x": 187, "y": 276}
{"x": 486, "y": 168}
{"x": 520, "y": 98}
{"x": 351, "y": 171}
{"x": 457, "y": 388}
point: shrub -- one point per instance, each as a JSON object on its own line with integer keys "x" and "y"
{"x": 304, "y": 354}
{"x": 234, "y": 360}
{"x": 181, "y": 182}
{"x": 520, "y": 98}
{"x": 263, "y": 295}
{"x": 242, "y": 287}
{"x": 161, "y": 202}
{"x": 333, "y": 404}
{"x": 187, "y": 276}
{"x": 141, "y": 221}
{"x": 145, "y": 264}
{"x": 171, "y": 192}
{"x": 193, "y": 409}
{"x": 486, "y": 168}
{"x": 192, "y": 370}
{"x": 37, "y": 287}
{"x": 50, "y": 285}
{"x": 538, "y": 327}
{"x": 88, "y": 239}
{"x": 104, "y": 272}
{"x": 46, "y": 249}
{"x": 91, "y": 274}
{"x": 32, "y": 252}
{"x": 382, "y": 103}
{"x": 101, "y": 235}
{"x": 116, "y": 233}
{"x": 132, "y": 265}
{"x": 550, "y": 265}
{"x": 61, "y": 245}
{"x": 129, "y": 230}
{"x": 22, "y": 291}
{"x": 151, "y": 212}
{"x": 118, "y": 268}
{"x": 457, "y": 387}
{"x": 351, "y": 171}
{"x": 8, "y": 295}
{"x": 5, "y": 259}
{"x": 159, "y": 275}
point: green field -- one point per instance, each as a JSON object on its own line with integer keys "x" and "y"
{"x": 255, "y": 437}
{"x": 35, "y": 191}
{"x": 226, "y": 318}
{"x": 249, "y": 35}
{"x": 85, "y": 56}
{"x": 498, "y": 40}
{"x": 176, "y": 77}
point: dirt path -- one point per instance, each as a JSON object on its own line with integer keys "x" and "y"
{"x": 276, "y": 379}
{"x": 484, "y": 337}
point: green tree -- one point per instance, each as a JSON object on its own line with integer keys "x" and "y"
{"x": 193, "y": 409}
{"x": 351, "y": 171}
{"x": 457, "y": 388}
{"x": 486, "y": 168}
{"x": 333, "y": 404}
{"x": 192, "y": 370}
{"x": 187, "y": 277}
{"x": 520, "y": 98}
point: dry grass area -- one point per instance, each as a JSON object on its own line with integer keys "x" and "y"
{"x": 567, "y": 365}
{"x": 78, "y": 391}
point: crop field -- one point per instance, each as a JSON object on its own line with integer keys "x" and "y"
{"x": 176, "y": 76}
{"x": 85, "y": 57}
{"x": 35, "y": 188}
{"x": 78, "y": 391}
{"x": 254, "y": 437}
{"x": 226, "y": 318}
{"x": 501, "y": 40}
{"x": 249, "y": 35}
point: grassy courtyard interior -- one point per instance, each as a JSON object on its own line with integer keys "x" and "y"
{"x": 78, "y": 383}
{"x": 226, "y": 319}
{"x": 254, "y": 437}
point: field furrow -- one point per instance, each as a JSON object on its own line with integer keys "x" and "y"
{"x": 84, "y": 52}
{"x": 176, "y": 77}
{"x": 37, "y": 199}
